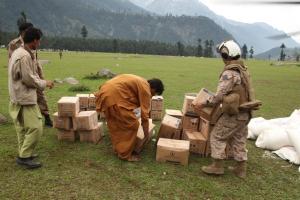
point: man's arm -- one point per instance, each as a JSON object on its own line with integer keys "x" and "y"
{"x": 228, "y": 79}
{"x": 144, "y": 99}
{"x": 29, "y": 76}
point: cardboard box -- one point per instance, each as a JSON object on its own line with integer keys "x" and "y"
{"x": 209, "y": 113}
{"x": 66, "y": 135}
{"x": 173, "y": 150}
{"x": 187, "y": 108}
{"x": 62, "y": 122}
{"x": 93, "y": 136}
{"x": 190, "y": 123}
{"x": 205, "y": 127}
{"x": 197, "y": 141}
{"x": 170, "y": 126}
{"x": 174, "y": 113}
{"x": 202, "y": 96}
{"x": 141, "y": 140}
{"x": 156, "y": 115}
{"x": 157, "y": 103}
{"x": 92, "y": 102}
{"x": 178, "y": 134}
{"x": 87, "y": 120}
{"x": 83, "y": 101}
{"x": 68, "y": 106}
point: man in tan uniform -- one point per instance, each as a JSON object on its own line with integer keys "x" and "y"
{"x": 42, "y": 102}
{"x": 118, "y": 98}
{"x": 23, "y": 83}
{"x": 234, "y": 89}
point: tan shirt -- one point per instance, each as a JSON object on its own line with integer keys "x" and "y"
{"x": 23, "y": 79}
{"x": 228, "y": 79}
{"x": 127, "y": 91}
{"x": 14, "y": 44}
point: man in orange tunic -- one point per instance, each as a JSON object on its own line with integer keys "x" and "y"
{"x": 117, "y": 98}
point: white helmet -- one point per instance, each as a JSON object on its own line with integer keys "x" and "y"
{"x": 230, "y": 48}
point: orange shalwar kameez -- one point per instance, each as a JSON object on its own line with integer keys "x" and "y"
{"x": 117, "y": 98}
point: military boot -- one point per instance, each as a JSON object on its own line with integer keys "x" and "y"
{"x": 215, "y": 168}
{"x": 239, "y": 169}
{"x": 48, "y": 121}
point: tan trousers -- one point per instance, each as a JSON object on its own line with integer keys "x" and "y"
{"x": 232, "y": 131}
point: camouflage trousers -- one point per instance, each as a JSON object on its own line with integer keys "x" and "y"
{"x": 42, "y": 102}
{"x": 232, "y": 131}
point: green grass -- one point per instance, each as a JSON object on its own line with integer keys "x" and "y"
{"x": 87, "y": 171}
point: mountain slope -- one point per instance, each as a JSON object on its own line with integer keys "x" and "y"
{"x": 65, "y": 18}
{"x": 274, "y": 54}
{"x": 251, "y": 34}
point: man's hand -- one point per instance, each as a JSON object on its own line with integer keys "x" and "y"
{"x": 49, "y": 84}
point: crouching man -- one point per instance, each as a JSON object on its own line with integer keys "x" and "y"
{"x": 23, "y": 85}
{"x": 118, "y": 98}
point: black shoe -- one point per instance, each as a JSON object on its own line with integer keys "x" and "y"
{"x": 48, "y": 121}
{"x": 34, "y": 156}
{"x": 28, "y": 163}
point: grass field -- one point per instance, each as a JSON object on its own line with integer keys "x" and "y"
{"x": 87, "y": 171}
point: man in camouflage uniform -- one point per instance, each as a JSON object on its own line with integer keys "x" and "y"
{"x": 231, "y": 128}
{"x": 42, "y": 102}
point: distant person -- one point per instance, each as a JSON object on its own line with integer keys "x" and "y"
{"x": 23, "y": 85}
{"x": 17, "y": 42}
{"x": 231, "y": 128}
{"x": 42, "y": 101}
{"x": 60, "y": 54}
{"x": 118, "y": 98}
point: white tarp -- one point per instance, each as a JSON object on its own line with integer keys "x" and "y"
{"x": 288, "y": 153}
{"x": 281, "y": 135}
{"x": 273, "y": 138}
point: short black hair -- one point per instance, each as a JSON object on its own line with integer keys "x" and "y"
{"x": 25, "y": 26}
{"x": 32, "y": 34}
{"x": 157, "y": 85}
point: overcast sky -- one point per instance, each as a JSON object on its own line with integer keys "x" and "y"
{"x": 281, "y": 17}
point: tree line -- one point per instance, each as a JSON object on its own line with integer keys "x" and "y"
{"x": 120, "y": 45}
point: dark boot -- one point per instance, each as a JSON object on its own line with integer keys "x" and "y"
{"x": 48, "y": 121}
{"x": 34, "y": 156}
{"x": 215, "y": 168}
{"x": 239, "y": 169}
{"x": 29, "y": 163}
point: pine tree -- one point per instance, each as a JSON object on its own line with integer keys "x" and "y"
{"x": 244, "y": 52}
{"x": 210, "y": 49}
{"x": 199, "y": 49}
{"x": 251, "y": 52}
{"x": 115, "y": 45}
{"x": 84, "y": 32}
{"x": 282, "y": 54}
{"x": 180, "y": 49}
{"x": 206, "y": 49}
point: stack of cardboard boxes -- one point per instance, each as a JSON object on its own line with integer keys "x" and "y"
{"x": 187, "y": 127}
{"x": 197, "y": 125}
{"x": 86, "y": 102}
{"x": 72, "y": 122}
{"x": 157, "y": 105}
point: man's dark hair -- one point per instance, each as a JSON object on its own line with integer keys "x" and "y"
{"x": 25, "y": 26}
{"x": 157, "y": 85}
{"x": 32, "y": 34}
